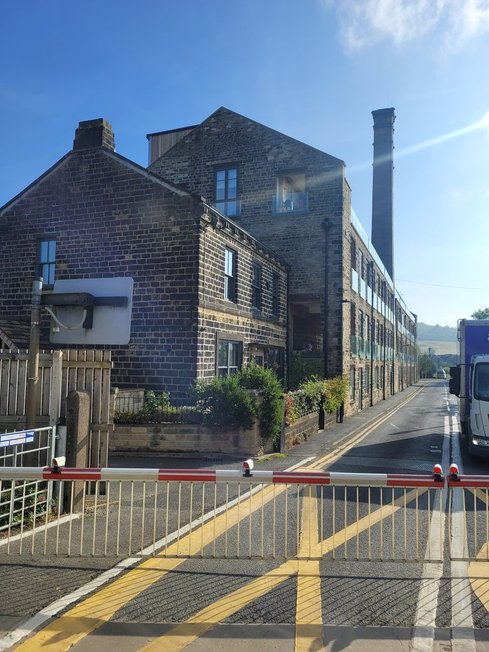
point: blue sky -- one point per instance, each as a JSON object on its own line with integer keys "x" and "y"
{"x": 313, "y": 69}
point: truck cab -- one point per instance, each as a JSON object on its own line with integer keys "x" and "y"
{"x": 470, "y": 382}
{"x": 478, "y": 432}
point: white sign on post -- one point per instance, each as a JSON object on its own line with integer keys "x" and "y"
{"x": 100, "y": 314}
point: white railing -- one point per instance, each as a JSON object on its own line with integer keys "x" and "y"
{"x": 229, "y": 514}
{"x": 469, "y": 517}
{"x": 17, "y": 499}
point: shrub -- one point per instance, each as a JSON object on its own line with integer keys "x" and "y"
{"x": 313, "y": 390}
{"x": 229, "y": 403}
{"x": 225, "y": 403}
{"x": 271, "y": 410}
{"x": 335, "y": 393}
{"x": 158, "y": 409}
{"x": 302, "y": 366}
{"x": 315, "y": 394}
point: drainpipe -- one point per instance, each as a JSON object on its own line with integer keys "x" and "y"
{"x": 372, "y": 330}
{"x": 384, "y": 339}
{"x": 287, "y": 333}
{"x": 32, "y": 396}
{"x": 327, "y": 227}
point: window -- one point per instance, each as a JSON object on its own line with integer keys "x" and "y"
{"x": 47, "y": 261}
{"x": 230, "y": 260}
{"x": 291, "y": 193}
{"x": 228, "y": 357}
{"x": 256, "y": 286}
{"x": 481, "y": 381}
{"x": 353, "y": 253}
{"x": 275, "y": 294}
{"x": 274, "y": 360}
{"x": 226, "y": 191}
{"x": 352, "y": 383}
{"x": 360, "y": 324}
{"x": 352, "y": 319}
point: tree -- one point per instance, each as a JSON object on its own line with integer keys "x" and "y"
{"x": 483, "y": 313}
{"x": 427, "y": 366}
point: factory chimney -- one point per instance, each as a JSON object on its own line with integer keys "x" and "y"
{"x": 382, "y": 187}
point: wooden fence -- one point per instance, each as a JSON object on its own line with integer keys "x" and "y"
{"x": 60, "y": 372}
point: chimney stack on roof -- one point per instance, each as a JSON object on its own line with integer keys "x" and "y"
{"x": 94, "y": 133}
{"x": 382, "y": 187}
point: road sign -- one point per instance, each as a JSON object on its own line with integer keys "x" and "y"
{"x": 99, "y": 312}
{"x": 15, "y": 438}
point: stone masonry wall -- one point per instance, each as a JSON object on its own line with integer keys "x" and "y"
{"x": 261, "y": 155}
{"x": 109, "y": 219}
{"x": 221, "y": 318}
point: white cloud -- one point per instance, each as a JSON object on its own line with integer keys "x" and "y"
{"x": 450, "y": 22}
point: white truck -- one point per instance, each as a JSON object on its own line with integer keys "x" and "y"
{"x": 470, "y": 382}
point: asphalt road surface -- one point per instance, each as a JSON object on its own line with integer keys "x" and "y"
{"x": 374, "y": 569}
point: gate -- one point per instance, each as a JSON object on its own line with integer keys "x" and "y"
{"x": 469, "y": 517}
{"x": 233, "y": 514}
{"x": 18, "y": 497}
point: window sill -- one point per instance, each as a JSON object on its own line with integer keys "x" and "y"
{"x": 302, "y": 211}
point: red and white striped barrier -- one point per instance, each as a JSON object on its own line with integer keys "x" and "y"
{"x": 226, "y": 475}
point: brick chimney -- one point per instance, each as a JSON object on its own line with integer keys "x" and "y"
{"x": 382, "y": 187}
{"x": 94, "y": 133}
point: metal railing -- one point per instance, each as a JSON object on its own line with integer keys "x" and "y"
{"x": 469, "y": 516}
{"x": 19, "y": 498}
{"x": 231, "y": 514}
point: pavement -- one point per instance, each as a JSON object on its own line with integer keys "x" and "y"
{"x": 20, "y": 578}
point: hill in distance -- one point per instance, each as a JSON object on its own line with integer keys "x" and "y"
{"x": 443, "y": 339}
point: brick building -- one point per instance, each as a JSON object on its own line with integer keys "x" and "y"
{"x": 208, "y": 296}
{"x": 345, "y": 316}
{"x": 242, "y": 244}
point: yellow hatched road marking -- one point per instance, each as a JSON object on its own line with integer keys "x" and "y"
{"x": 183, "y": 634}
{"x": 78, "y": 622}
{"x": 309, "y": 610}
{"x": 64, "y": 632}
{"x": 478, "y": 571}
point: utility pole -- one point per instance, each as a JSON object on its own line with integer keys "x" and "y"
{"x": 32, "y": 398}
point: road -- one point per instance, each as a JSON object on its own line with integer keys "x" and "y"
{"x": 295, "y": 604}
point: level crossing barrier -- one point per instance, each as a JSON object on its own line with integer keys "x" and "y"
{"x": 222, "y": 514}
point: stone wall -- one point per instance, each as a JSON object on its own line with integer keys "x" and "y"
{"x": 300, "y": 431}
{"x": 184, "y": 438}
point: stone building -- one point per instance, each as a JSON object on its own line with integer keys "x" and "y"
{"x": 345, "y": 316}
{"x": 208, "y": 296}
{"x": 242, "y": 244}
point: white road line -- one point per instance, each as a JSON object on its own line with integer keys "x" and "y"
{"x": 424, "y": 628}
{"x": 462, "y": 620}
{"x": 39, "y": 619}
